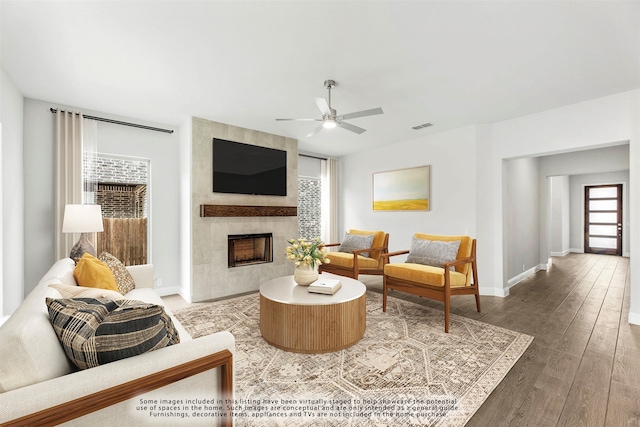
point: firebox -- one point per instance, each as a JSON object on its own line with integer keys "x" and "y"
{"x": 248, "y": 249}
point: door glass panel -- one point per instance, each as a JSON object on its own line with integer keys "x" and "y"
{"x": 604, "y": 192}
{"x": 603, "y": 205}
{"x": 603, "y": 230}
{"x": 602, "y": 242}
{"x": 608, "y": 218}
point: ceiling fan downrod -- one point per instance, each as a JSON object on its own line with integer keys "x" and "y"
{"x": 330, "y": 84}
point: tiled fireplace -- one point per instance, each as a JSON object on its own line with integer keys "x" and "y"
{"x": 211, "y": 275}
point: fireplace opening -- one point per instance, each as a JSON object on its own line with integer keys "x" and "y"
{"x": 248, "y": 249}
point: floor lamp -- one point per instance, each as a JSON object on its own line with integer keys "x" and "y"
{"x": 82, "y": 219}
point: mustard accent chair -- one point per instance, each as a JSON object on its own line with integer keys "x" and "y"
{"x": 350, "y": 264}
{"x": 438, "y": 283}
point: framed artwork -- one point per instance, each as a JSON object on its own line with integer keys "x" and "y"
{"x": 402, "y": 189}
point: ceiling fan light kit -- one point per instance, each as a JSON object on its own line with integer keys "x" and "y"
{"x": 330, "y": 118}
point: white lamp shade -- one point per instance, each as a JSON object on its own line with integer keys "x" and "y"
{"x": 82, "y": 219}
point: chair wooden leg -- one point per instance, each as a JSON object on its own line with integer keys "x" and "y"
{"x": 447, "y": 300}
{"x": 384, "y": 294}
{"x": 446, "y": 315}
{"x": 477, "y": 300}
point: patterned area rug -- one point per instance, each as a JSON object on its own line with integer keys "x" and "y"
{"x": 404, "y": 372}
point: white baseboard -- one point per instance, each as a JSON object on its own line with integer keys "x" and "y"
{"x": 520, "y": 277}
{"x": 166, "y": 291}
{"x": 494, "y": 292}
{"x": 576, "y": 250}
{"x": 563, "y": 253}
{"x": 545, "y": 267}
{"x": 634, "y": 318}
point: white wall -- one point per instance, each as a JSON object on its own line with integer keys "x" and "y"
{"x": 11, "y": 188}
{"x": 164, "y": 191}
{"x": 452, "y": 156}
{"x": 560, "y": 211}
{"x": 577, "y": 184}
{"x": 522, "y": 221}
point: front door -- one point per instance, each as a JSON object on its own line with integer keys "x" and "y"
{"x": 603, "y": 219}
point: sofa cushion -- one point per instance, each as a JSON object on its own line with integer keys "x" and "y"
{"x": 96, "y": 331}
{"x": 67, "y": 291}
{"x": 124, "y": 281}
{"x": 432, "y": 252}
{"x": 93, "y": 273}
{"x": 354, "y": 242}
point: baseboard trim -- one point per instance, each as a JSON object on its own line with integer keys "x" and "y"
{"x": 166, "y": 291}
{"x": 494, "y": 292}
{"x": 576, "y": 250}
{"x": 545, "y": 267}
{"x": 634, "y": 318}
{"x": 522, "y": 276}
{"x": 561, "y": 254}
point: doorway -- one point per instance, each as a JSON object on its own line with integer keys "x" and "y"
{"x": 603, "y": 219}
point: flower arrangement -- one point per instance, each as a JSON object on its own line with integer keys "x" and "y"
{"x": 304, "y": 252}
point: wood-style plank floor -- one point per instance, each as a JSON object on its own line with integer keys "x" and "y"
{"x": 583, "y": 366}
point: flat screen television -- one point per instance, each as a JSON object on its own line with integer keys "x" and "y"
{"x": 248, "y": 169}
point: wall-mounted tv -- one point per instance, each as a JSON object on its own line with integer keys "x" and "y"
{"x": 248, "y": 169}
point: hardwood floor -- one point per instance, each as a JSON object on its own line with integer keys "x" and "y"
{"x": 582, "y": 368}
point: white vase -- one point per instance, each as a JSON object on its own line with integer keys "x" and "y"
{"x": 305, "y": 275}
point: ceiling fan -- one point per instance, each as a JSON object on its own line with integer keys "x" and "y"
{"x": 330, "y": 119}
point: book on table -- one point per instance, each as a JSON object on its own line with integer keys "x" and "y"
{"x": 325, "y": 286}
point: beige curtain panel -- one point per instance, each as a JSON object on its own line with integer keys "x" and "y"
{"x": 72, "y": 129}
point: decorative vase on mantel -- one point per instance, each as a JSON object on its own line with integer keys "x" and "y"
{"x": 304, "y": 275}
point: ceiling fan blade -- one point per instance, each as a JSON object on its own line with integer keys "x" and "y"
{"x": 323, "y": 106}
{"x": 314, "y": 131}
{"x": 363, "y": 113}
{"x": 300, "y": 120}
{"x": 350, "y": 127}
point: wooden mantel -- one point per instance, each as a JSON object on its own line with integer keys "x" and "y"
{"x": 237, "y": 210}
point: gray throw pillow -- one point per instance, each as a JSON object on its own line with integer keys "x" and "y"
{"x": 432, "y": 252}
{"x": 354, "y": 242}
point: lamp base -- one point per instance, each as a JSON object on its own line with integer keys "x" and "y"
{"x": 82, "y": 245}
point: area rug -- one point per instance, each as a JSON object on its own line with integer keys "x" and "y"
{"x": 406, "y": 371}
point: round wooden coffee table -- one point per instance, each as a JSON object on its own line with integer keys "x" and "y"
{"x": 293, "y": 319}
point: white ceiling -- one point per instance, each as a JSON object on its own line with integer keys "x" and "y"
{"x": 246, "y": 63}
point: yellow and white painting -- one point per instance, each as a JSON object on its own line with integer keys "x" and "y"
{"x": 402, "y": 189}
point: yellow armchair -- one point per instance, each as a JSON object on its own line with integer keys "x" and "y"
{"x": 449, "y": 273}
{"x": 369, "y": 260}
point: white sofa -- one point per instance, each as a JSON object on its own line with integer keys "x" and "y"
{"x": 36, "y": 375}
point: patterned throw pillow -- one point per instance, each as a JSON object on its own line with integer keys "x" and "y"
{"x": 123, "y": 277}
{"x": 70, "y": 291}
{"x": 353, "y": 242}
{"x": 432, "y": 252}
{"x": 96, "y": 331}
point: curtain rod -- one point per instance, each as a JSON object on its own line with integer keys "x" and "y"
{"x": 312, "y": 157}
{"x": 118, "y": 122}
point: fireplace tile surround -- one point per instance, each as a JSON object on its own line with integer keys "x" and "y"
{"x": 210, "y": 275}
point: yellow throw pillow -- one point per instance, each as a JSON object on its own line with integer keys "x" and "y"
{"x": 93, "y": 273}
